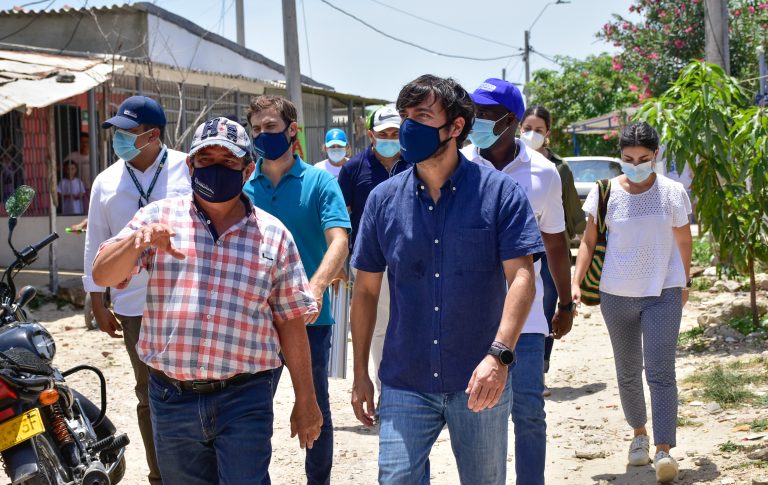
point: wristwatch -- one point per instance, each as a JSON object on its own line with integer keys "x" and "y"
{"x": 567, "y": 307}
{"x": 505, "y": 355}
{"x": 689, "y": 283}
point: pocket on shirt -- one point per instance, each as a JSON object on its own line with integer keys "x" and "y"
{"x": 474, "y": 250}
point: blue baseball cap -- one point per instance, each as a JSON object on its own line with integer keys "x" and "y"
{"x": 135, "y": 111}
{"x": 335, "y": 136}
{"x": 497, "y": 91}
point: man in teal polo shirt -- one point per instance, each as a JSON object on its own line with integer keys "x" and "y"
{"x": 310, "y": 204}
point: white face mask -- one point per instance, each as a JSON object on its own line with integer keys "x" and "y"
{"x": 336, "y": 154}
{"x": 532, "y": 139}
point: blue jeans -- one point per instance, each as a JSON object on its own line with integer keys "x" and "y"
{"x": 550, "y": 302}
{"x": 411, "y": 422}
{"x": 217, "y": 438}
{"x": 527, "y": 380}
{"x": 319, "y": 459}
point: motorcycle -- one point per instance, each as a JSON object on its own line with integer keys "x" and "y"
{"x": 50, "y": 434}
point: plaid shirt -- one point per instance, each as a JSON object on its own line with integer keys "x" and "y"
{"x": 211, "y": 315}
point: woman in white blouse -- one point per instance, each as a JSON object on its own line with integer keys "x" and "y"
{"x": 643, "y": 288}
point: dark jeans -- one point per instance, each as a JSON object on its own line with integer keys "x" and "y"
{"x": 217, "y": 438}
{"x": 550, "y": 303}
{"x": 319, "y": 459}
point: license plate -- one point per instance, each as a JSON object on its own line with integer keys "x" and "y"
{"x": 20, "y": 429}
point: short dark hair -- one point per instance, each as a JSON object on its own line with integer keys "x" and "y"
{"x": 280, "y": 104}
{"x": 454, "y": 98}
{"x": 538, "y": 111}
{"x": 84, "y": 133}
{"x": 71, "y": 162}
{"x": 639, "y": 135}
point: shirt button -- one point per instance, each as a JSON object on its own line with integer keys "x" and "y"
{"x": 435, "y": 374}
{"x": 437, "y": 308}
{"x": 431, "y": 208}
{"x": 422, "y": 187}
{"x": 437, "y": 275}
{"x": 437, "y": 241}
{"x": 207, "y": 221}
{"x": 202, "y": 367}
{"x": 434, "y": 342}
{"x": 209, "y": 317}
{"x": 454, "y": 189}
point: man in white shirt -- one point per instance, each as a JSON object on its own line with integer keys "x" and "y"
{"x": 498, "y": 109}
{"x": 145, "y": 172}
{"x": 336, "y": 149}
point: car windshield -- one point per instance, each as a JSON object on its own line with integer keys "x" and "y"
{"x": 593, "y": 170}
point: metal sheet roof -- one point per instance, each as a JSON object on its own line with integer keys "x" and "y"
{"x": 35, "y": 80}
{"x": 601, "y": 125}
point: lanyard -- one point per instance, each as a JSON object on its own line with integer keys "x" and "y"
{"x": 144, "y": 197}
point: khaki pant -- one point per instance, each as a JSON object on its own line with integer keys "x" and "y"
{"x": 131, "y": 328}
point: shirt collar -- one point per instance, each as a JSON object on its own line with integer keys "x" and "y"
{"x": 453, "y": 182}
{"x": 523, "y": 156}
{"x": 297, "y": 170}
{"x": 150, "y": 169}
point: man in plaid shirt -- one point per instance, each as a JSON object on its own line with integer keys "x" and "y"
{"x": 227, "y": 292}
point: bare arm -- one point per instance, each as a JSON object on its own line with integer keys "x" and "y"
{"x": 583, "y": 259}
{"x": 329, "y": 268}
{"x": 365, "y": 298}
{"x": 559, "y": 261}
{"x": 306, "y": 418}
{"x": 490, "y": 376}
{"x": 684, "y": 242}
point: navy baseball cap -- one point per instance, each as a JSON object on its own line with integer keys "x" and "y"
{"x": 497, "y": 91}
{"x": 135, "y": 111}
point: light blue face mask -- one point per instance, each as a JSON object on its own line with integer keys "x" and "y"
{"x": 637, "y": 173}
{"x": 124, "y": 144}
{"x": 482, "y": 135}
{"x": 387, "y": 148}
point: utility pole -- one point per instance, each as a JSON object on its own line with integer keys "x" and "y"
{"x": 240, "y": 22}
{"x": 527, "y": 56}
{"x": 716, "y": 37}
{"x": 292, "y": 65}
{"x": 504, "y": 73}
{"x": 763, "y": 71}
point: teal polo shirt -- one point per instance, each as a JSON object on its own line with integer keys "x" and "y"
{"x": 308, "y": 201}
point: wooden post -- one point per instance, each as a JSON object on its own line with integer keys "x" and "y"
{"x": 53, "y": 201}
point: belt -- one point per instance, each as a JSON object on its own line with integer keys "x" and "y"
{"x": 204, "y": 386}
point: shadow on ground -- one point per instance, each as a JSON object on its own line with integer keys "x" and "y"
{"x": 569, "y": 393}
{"x": 646, "y": 475}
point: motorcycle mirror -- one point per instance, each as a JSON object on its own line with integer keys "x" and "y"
{"x": 18, "y": 203}
{"x": 25, "y": 295}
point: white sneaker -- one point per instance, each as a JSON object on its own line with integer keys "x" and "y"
{"x": 666, "y": 467}
{"x": 638, "y": 451}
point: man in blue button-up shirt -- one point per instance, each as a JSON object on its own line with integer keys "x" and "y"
{"x": 310, "y": 204}
{"x": 453, "y": 236}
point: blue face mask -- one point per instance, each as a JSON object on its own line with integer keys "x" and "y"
{"x": 124, "y": 144}
{"x": 387, "y": 148}
{"x": 217, "y": 183}
{"x": 271, "y": 145}
{"x": 482, "y": 135}
{"x": 418, "y": 141}
{"x": 637, "y": 173}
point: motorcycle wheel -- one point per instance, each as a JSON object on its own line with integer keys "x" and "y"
{"x": 48, "y": 462}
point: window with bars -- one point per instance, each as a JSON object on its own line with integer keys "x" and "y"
{"x": 11, "y": 159}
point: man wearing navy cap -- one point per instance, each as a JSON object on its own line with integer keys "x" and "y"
{"x": 336, "y": 149}
{"x": 146, "y": 171}
{"x": 499, "y": 109}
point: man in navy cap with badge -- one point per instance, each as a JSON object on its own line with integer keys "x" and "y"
{"x": 146, "y": 171}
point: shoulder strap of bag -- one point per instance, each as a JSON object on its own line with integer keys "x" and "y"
{"x": 602, "y": 208}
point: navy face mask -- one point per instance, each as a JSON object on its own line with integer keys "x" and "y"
{"x": 418, "y": 141}
{"x": 271, "y": 145}
{"x": 217, "y": 183}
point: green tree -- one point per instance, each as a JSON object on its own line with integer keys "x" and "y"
{"x": 670, "y": 34}
{"x": 705, "y": 120}
{"x": 582, "y": 89}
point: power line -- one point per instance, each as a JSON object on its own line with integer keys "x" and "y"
{"x": 32, "y": 3}
{"x": 448, "y": 27}
{"x": 550, "y": 59}
{"x": 74, "y": 31}
{"x": 34, "y": 19}
{"x": 306, "y": 37}
{"x": 414, "y": 44}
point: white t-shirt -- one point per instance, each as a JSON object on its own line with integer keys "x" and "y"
{"x": 114, "y": 201}
{"x": 641, "y": 256}
{"x": 73, "y": 186}
{"x": 539, "y": 178}
{"x": 329, "y": 167}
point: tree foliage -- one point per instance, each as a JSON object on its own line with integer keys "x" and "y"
{"x": 670, "y": 34}
{"x": 705, "y": 120}
{"x": 583, "y": 89}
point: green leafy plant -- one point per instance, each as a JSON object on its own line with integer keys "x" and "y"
{"x": 690, "y": 335}
{"x": 745, "y": 325}
{"x": 702, "y": 252}
{"x": 724, "y": 386}
{"x": 729, "y": 447}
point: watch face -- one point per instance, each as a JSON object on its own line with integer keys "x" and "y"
{"x": 507, "y": 357}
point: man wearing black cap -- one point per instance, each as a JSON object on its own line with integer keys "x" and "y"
{"x": 145, "y": 172}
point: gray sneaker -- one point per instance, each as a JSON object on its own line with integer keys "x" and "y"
{"x": 638, "y": 451}
{"x": 666, "y": 467}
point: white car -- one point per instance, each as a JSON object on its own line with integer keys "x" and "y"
{"x": 588, "y": 170}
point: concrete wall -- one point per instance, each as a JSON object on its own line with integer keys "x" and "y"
{"x": 69, "y": 247}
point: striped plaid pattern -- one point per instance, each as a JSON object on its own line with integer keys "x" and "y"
{"x": 590, "y": 285}
{"x": 210, "y": 316}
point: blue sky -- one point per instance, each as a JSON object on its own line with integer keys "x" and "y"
{"x": 343, "y": 53}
